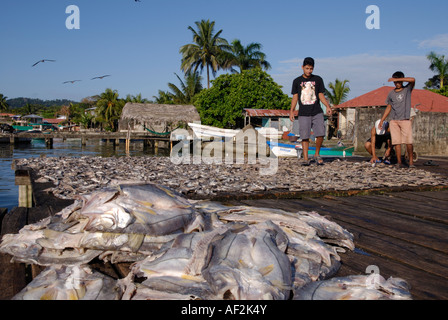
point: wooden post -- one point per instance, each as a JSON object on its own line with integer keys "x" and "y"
{"x": 22, "y": 179}
{"x": 49, "y": 142}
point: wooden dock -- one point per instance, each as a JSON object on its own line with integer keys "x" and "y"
{"x": 403, "y": 234}
{"x": 85, "y": 136}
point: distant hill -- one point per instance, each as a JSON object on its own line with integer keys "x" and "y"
{"x": 20, "y": 102}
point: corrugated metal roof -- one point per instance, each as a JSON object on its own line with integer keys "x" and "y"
{"x": 423, "y": 100}
{"x": 267, "y": 113}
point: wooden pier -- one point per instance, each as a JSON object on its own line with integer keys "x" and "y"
{"x": 402, "y": 233}
{"x": 115, "y": 137}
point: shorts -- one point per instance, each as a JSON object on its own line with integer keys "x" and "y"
{"x": 401, "y": 131}
{"x": 306, "y": 123}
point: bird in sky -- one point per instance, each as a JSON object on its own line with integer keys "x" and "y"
{"x": 71, "y": 81}
{"x": 101, "y": 77}
{"x": 43, "y": 60}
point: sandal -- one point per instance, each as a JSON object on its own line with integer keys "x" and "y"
{"x": 319, "y": 160}
{"x": 304, "y": 163}
{"x": 430, "y": 163}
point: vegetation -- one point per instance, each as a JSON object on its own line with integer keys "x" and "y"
{"x": 439, "y": 64}
{"x": 108, "y": 109}
{"x": 245, "y": 57}
{"x": 4, "y": 106}
{"x": 339, "y": 92}
{"x": 206, "y": 51}
{"x": 223, "y": 103}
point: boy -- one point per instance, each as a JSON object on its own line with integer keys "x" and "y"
{"x": 377, "y": 139}
{"x": 308, "y": 90}
{"x": 399, "y": 107}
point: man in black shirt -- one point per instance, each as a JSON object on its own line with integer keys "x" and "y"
{"x": 308, "y": 90}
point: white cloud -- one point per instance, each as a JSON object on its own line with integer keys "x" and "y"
{"x": 365, "y": 72}
{"x": 438, "y": 41}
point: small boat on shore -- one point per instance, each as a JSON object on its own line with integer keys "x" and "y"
{"x": 206, "y": 132}
{"x": 295, "y": 150}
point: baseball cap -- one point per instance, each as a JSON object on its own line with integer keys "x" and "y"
{"x": 383, "y": 129}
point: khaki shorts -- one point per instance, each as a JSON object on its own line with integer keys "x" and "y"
{"x": 401, "y": 131}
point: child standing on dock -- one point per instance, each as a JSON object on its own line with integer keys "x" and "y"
{"x": 399, "y": 107}
{"x": 308, "y": 90}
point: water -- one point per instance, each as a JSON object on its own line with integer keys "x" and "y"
{"x": 9, "y": 192}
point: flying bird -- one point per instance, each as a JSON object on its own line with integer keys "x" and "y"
{"x": 71, "y": 81}
{"x": 107, "y": 75}
{"x": 43, "y": 60}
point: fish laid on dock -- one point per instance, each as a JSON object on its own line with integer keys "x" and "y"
{"x": 184, "y": 249}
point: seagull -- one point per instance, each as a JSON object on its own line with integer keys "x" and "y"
{"x": 43, "y": 60}
{"x": 71, "y": 81}
{"x": 107, "y": 75}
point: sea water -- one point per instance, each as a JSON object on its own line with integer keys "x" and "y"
{"x": 9, "y": 192}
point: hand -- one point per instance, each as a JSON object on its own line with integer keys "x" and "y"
{"x": 329, "y": 111}
{"x": 374, "y": 160}
{"x": 291, "y": 116}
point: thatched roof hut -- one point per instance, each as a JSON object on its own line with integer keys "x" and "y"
{"x": 158, "y": 118}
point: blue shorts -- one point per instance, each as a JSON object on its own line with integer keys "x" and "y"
{"x": 306, "y": 123}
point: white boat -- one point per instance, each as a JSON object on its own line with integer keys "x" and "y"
{"x": 285, "y": 150}
{"x": 206, "y": 132}
{"x": 270, "y": 133}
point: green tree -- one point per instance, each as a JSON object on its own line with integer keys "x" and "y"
{"x": 136, "y": 99}
{"x": 206, "y": 51}
{"x": 109, "y": 109}
{"x": 164, "y": 97}
{"x": 3, "y": 104}
{"x": 339, "y": 92}
{"x": 188, "y": 89}
{"x": 439, "y": 65}
{"x": 86, "y": 120}
{"x": 29, "y": 109}
{"x": 222, "y": 105}
{"x": 246, "y": 57}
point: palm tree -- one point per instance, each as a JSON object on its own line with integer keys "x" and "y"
{"x": 206, "y": 51}
{"x": 136, "y": 99}
{"x": 339, "y": 92}
{"x": 164, "y": 97}
{"x": 3, "y": 104}
{"x": 109, "y": 108}
{"x": 246, "y": 57}
{"x": 29, "y": 108}
{"x": 187, "y": 90}
{"x": 440, "y": 65}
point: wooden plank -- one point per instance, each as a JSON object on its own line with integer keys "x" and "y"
{"x": 393, "y": 203}
{"x": 13, "y": 276}
{"x": 414, "y": 230}
{"x": 3, "y": 212}
{"x": 398, "y": 250}
{"x": 432, "y": 197}
{"x": 14, "y": 220}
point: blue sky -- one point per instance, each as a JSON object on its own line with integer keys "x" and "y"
{"x": 137, "y": 43}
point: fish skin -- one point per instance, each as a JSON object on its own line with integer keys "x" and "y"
{"x": 70, "y": 283}
{"x": 191, "y": 250}
{"x": 239, "y": 259}
{"x": 356, "y": 287}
